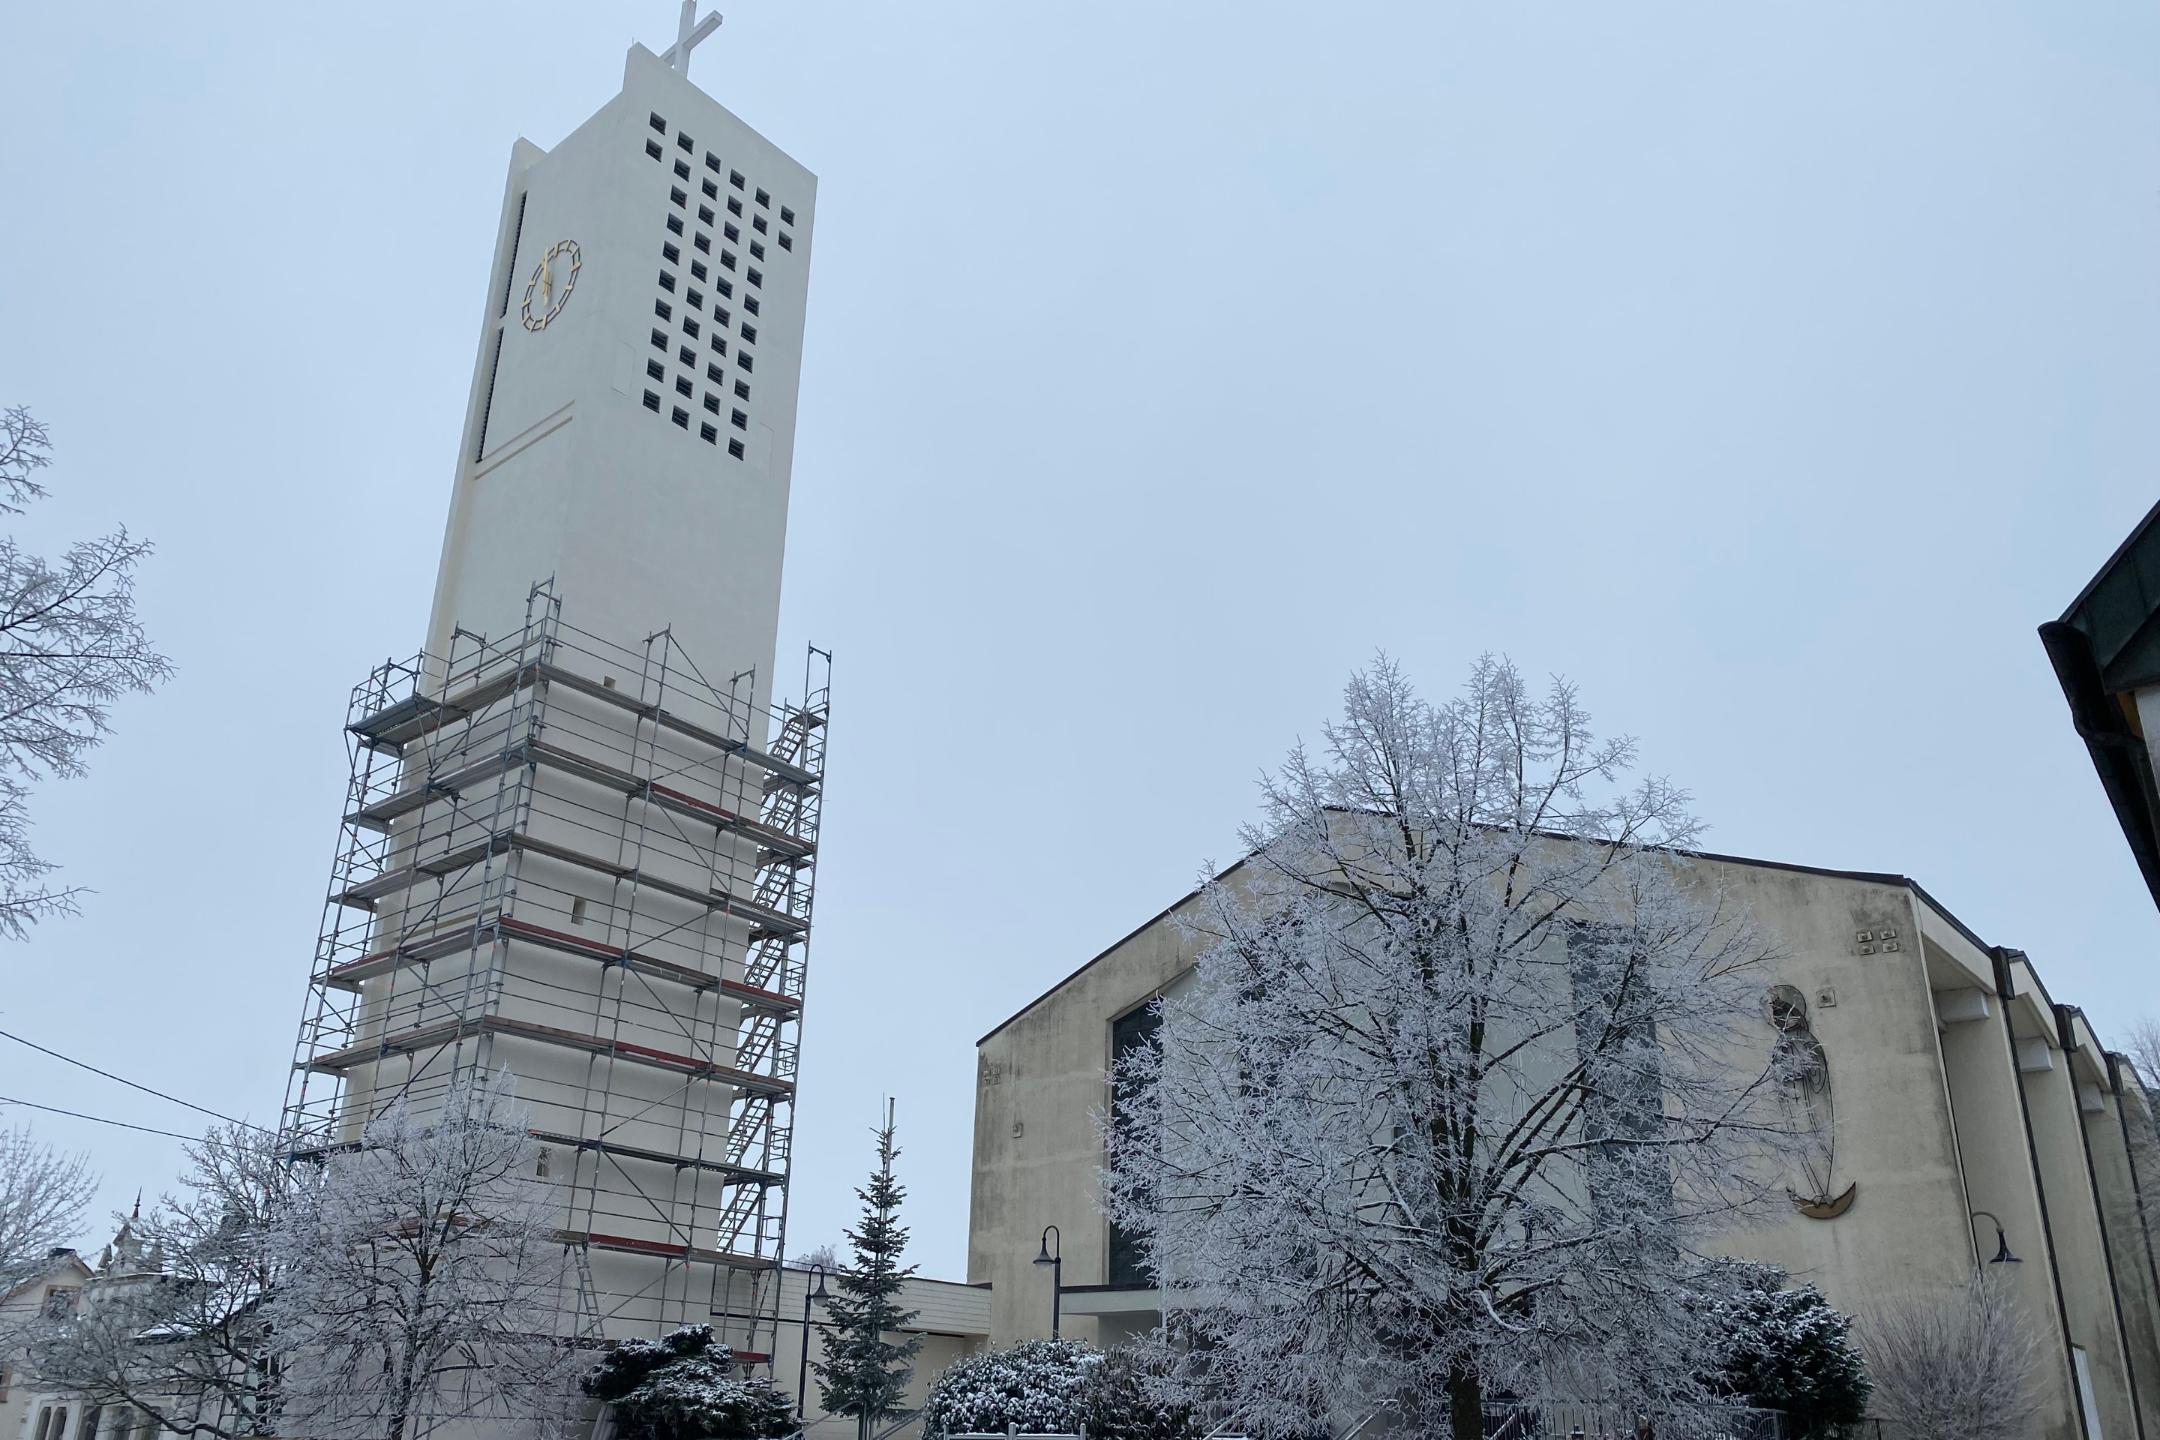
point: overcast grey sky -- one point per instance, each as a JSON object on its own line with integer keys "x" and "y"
{"x": 1770, "y": 369}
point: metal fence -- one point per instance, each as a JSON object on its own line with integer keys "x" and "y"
{"x": 1563, "y": 1421}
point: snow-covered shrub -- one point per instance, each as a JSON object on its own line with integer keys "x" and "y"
{"x": 1053, "y": 1387}
{"x": 1038, "y": 1385}
{"x": 1126, "y": 1399}
{"x": 1787, "y": 1349}
{"x": 684, "y": 1387}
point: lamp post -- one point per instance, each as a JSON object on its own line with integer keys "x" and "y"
{"x": 2002, "y": 1241}
{"x": 802, "y": 1368}
{"x": 1054, "y": 1257}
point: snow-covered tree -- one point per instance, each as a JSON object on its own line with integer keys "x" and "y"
{"x": 684, "y": 1387}
{"x": 172, "y": 1326}
{"x": 421, "y": 1277}
{"x": 44, "y": 1194}
{"x": 1788, "y": 1349}
{"x": 865, "y": 1371}
{"x": 70, "y": 646}
{"x": 1471, "y": 1058}
{"x": 1963, "y": 1363}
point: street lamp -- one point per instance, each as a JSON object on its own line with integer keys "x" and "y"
{"x": 2002, "y": 1241}
{"x": 802, "y": 1369}
{"x": 1054, "y": 1257}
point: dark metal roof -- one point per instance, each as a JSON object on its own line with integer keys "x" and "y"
{"x": 2105, "y": 648}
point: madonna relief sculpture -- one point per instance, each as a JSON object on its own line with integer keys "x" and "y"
{"x": 1804, "y": 1073}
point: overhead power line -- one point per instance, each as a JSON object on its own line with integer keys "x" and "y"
{"x": 100, "y": 1119}
{"x": 122, "y": 1079}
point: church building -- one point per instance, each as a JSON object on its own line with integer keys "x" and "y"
{"x": 1979, "y": 1124}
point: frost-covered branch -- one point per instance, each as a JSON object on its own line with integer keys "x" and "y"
{"x": 421, "y": 1277}
{"x": 70, "y": 648}
{"x": 172, "y": 1325}
{"x": 44, "y": 1194}
{"x": 1473, "y": 1061}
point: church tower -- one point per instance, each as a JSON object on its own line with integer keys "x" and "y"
{"x": 580, "y": 842}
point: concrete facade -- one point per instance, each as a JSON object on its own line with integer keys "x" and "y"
{"x": 1962, "y": 1088}
{"x": 572, "y": 463}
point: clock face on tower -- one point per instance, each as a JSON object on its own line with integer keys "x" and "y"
{"x": 549, "y": 289}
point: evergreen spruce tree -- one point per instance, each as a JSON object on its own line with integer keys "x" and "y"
{"x": 864, "y": 1373}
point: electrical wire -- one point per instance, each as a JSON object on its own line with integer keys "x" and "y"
{"x": 100, "y": 1119}
{"x": 84, "y": 1065}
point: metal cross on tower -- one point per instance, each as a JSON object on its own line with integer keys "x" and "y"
{"x": 689, "y": 33}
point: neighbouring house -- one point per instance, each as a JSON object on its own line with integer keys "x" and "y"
{"x": 1977, "y": 1117}
{"x": 54, "y": 1288}
{"x": 2106, "y": 654}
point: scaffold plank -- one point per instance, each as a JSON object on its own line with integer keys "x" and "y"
{"x": 744, "y": 1173}
{"x": 427, "y": 1037}
{"x": 633, "y": 1245}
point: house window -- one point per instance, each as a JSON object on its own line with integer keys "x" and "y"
{"x": 704, "y": 215}
{"x": 786, "y": 241}
{"x": 712, "y": 403}
{"x": 719, "y": 342}
{"x": 685, "y": 144}
{"x": 687, "y": 355}
{"x": 662, "y": 309}
{"x": 734, "y": 448}
{"x": 757, "y": 223}
{"x": 756, "y": 276}
{"x": 652, "y": 402}
{"x": 1129, "y": 1032}
{"x": 667, "y": 280}
{"x": 714, "y": 373}
{"x": 742, "y": 358}
{"x": 712, "y": 191}
{"x": 652, "y": 148}
{"x": 682, "y": 171}
{"x": 697, "y": 269}
{"x": 734, "y": 206}
{"x": 749, "y": 332}
{"x": 654, "y": 370}
{"x": 682, "y": 385}
{"x": 681, "y": 417}
{"x": 742, "y": 389}
{"x": 659, "y": 339}
{"x": 739, "y": 420}
{"x": 787, "y": 216}
{"x": 731, "y": 232}
{"x": 674, "y": 225}
{"x": 757, "y": 250}
{"x": 727, "y": 259}
{"x": 735, "y": 179}
{"x": 690, "y": 327}
{"x": 763, "y": 198}
{"x": 707, "y": 433}
{"x": 703, "y": 242}
{"x": 657, "y": 123}
{"x": 750, "y": 303}
{"x": 712, "y": 162}
{"x": 669, "y": 253}
{"x": 676, "y": 194}
{"x": 695, "y": 300}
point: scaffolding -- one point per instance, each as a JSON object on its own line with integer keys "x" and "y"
{"x": 585, "y": 863}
